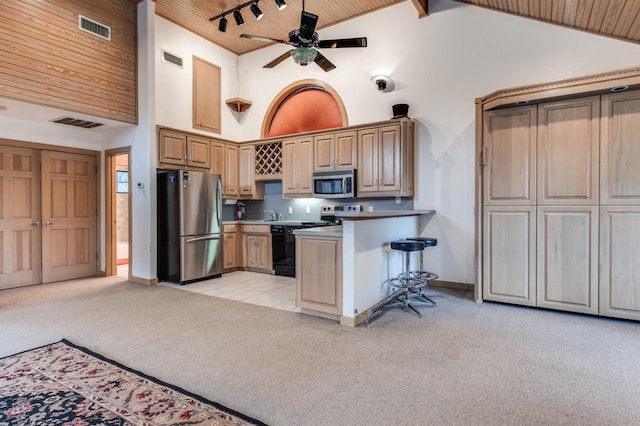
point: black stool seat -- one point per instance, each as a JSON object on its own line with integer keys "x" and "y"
{"x": 428, "y": 241}
{"x": 407, "y": 245}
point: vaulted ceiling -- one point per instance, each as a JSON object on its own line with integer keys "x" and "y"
{"x": 613, "y": 18}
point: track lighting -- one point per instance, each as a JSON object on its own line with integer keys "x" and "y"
{"x": 222, "y": 26}
{"x": 238, "y": 17}
{"x": 256, "y": 11}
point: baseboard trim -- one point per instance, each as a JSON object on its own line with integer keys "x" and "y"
{"x": 451, "y": 284}
{"x": 145, "y": 281}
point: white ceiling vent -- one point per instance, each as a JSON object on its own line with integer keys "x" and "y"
{"x": 171, "y": 58}
{"x": 94, "y": 27}
{"x": 69, "y": 121}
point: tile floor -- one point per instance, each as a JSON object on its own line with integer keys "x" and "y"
{"x": 248, "y": 287}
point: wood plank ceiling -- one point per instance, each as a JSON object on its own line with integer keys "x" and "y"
{"x": 613, "y": 18}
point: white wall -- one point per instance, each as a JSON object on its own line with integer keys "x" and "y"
{"x": 174, "y": 85}
{"x": 440, "y": 64}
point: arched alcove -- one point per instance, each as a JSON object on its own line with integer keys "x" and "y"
{"x": 304, "y": 106}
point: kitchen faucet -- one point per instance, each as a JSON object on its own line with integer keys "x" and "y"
{"x": 273, "y": 214}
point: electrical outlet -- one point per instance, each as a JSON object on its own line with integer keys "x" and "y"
{"x": 290, "y": 210}
{"x": 308, "y": 209}
{"x": 370, "y": 209}
{"x": 397, "y": 200}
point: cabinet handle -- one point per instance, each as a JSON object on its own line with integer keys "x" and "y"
{"x": 47, "y": 223}
{"x": 36, "y": 223}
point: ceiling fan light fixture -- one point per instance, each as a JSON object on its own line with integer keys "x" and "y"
{"x": 256, "y": 11}
{"x": 222, "y": 25}
{"x": 281, "y": 4}
{"x": 238, "y": 17}
{"x": 304, "y": 55}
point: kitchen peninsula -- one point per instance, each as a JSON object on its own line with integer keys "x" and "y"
{"x": 343, "y": 271}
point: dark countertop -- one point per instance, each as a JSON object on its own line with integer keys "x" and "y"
{"x": 382, "y": 214}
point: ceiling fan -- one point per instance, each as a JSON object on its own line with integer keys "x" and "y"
{"x": 306, "y": 42}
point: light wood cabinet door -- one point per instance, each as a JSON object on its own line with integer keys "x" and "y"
{"x": 619, "y": 265}
{"x": 323, "y": 155}
{"x": 319, "y": 274}
{"x": 389, "y": 157}
{"x": 20, "y": 217}
{"x": 567, "y": 276}
{"x": 172, "y": 148}
{"x": 246, "y": 181}
{"x": 206, "y": 96}
{"x": 620, "y": 148}
{"x": 218, "y": 160}
{"x": 231, "y": 172}
{"x": 509, "y": 171}
{"x": 258, "y": 251}
{"x": 346, "y": 150}
{"x": 509, "y": 269}
{"x": 69, "y": 216}
{"x": 367, "y": 180}
{"x": 198, "y": 152}
{"x": 568, "y": 152}
{"x": 230, "y": 250}
{"x": 297, "y": 164}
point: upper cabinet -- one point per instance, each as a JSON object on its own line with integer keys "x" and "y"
{"x": 568, "y": 153}
{"x": 206, "y": 96}
{"x": 247, "y": 186}
{"x": 335, "y": 151}
{"x": 385, "y": 160}
{"x": 224, "y": 161}
{"x": 297, "y": 159}
{"x": 179, "y": 149}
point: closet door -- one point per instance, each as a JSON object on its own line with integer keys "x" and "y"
{"x": 509, "y": 269}
{"x": 19, "y": 217}
{"x": 568, "y": 258}
{"x": 509, "y": 222}
{"x": 620, "y": 268}
{"x": 620, "y": 149}
{"x": 69, "y": 216}
{"x": 510, "y": 157}
{"x": 568, "y": 152}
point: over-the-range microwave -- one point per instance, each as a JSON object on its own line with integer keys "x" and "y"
{"x": 334, "y": 184}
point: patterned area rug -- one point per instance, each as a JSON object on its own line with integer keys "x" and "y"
{"x": 65, "y": 384}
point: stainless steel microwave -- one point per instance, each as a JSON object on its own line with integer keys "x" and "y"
{"x": 334, "y": 184}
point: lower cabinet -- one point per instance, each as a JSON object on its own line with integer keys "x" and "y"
{"x": 256, "y": 248}
{"x": 620, "y": 269}
{"x": 230, "y": 249}
{"x": 319, "y": 274}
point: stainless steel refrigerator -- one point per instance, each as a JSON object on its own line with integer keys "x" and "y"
{"x": 189, "y": 226}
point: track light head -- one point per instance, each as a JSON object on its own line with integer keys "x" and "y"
{"x": 256, "y": 11}
{"x": 222, "y": 25}
{"x": 238, "y": 17}
{"x": 281, "y": 4}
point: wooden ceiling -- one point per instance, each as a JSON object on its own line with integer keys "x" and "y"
{"x": 613, "y": 18}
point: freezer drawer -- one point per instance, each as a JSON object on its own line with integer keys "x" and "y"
{"x": 201, "y": 257}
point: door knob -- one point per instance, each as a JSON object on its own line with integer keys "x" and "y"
{"x": 47, "y": 223}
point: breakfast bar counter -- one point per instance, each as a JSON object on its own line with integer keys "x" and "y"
{"x": 363, "y": 260}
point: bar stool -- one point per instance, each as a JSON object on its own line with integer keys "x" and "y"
{"x": 421, "y": 273}
{"x": 406, "y": 282}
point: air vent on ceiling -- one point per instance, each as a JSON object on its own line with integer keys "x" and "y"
{"x": 171, "y": 58}
{"x": 69, "y": 121}
{"x": 94, "y": 27}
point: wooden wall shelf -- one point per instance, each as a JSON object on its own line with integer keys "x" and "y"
{"x": 238, "y": 104}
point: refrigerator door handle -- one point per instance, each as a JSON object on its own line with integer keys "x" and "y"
{"x": 206, "y": 237}
{"x": 219, "y": 202}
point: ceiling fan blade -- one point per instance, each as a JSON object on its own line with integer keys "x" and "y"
{"x": 308, "y": 23}
{"x": 279, "y": 59}
{"x": 323, "y": 62}
{"x": 261, "y": 38}
{"x": 342, "y": 42}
